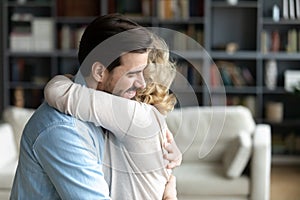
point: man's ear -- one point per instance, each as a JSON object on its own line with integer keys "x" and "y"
{"x": 98, "y": 70}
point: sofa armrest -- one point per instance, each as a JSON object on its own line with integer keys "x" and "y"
{"x": 8, "y": 147}
{"x": 261, "y": 163}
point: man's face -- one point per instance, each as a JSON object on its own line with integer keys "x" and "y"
{"x": 125, "y": 79}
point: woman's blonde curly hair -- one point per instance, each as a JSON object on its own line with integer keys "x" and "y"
{"x": 159, "y": 75}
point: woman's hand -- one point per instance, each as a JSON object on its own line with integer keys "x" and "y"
{"x": 170, "y": 192}
{"x": 174, "y": 155}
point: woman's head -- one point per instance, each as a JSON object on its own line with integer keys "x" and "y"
{"x": 159, "y": 75}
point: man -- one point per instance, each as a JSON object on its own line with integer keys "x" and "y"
{"x": 61, "y": 157}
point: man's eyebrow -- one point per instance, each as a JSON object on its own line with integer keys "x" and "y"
{"x": 135, "y": 72}
{"x": 141, "y": 69}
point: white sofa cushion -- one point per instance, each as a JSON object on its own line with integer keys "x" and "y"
{"x": 7, "y": 174}
{"x": 8, "y": 156}
{"x": 17, "y": 117}
{"x": 8, "y": 149}
{"x": 237, "y": 155}
{"x": 207, "y": 179}
{"x": 200, "y": 130}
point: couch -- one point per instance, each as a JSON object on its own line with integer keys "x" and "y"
{"x": 226, "y": 155}
{"x": 14, "y": 120}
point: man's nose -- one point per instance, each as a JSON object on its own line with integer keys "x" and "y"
{"x": 140, "y": 82}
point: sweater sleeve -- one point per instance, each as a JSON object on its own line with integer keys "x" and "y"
{"x": 119, "y": 115}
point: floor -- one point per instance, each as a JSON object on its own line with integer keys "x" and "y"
{"x": 285, "y": 182}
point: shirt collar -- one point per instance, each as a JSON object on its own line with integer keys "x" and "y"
{"x": 79, "y": 78}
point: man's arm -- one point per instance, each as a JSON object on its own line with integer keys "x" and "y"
{"x": 71, "y": 161}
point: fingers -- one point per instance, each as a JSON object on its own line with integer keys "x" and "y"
{"x": 174, "y": 156}
{"x": 174, "y": 161}
{"x": 172, "y": 180}
{"x": 169, "y": 136}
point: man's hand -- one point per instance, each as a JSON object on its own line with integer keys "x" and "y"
{"x": 170, "y": 192}
{"x": 174, "y": 155}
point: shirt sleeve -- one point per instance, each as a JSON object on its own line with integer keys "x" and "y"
{"x": 71, "y": 161}
{"x": 119, "y": 115}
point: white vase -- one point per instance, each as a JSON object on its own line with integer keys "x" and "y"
{"x": 232, "y": 2}
{"x": 271, "y": 74}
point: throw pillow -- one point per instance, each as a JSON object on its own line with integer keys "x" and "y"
{"x": 237, "y": 155}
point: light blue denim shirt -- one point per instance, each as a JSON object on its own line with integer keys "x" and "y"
{"x": 60, "y": 158}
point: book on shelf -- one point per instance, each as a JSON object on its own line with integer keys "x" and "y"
{"x": 191, "y": 39}
{"x": 18, "y": 70}
{"x": 69, "y": 38}
{"x": 247, "y": 101}
{"x": 134, "y": 8}
{"x": 65, "y": 37}
{"x": 43, "y": 34}
{"x": 36, "y": 34}
{"x": 75, "y": 8}
{"x": 147, "y": 8}
{"x": 20, "y": 37}
{"x": 130, "y": 7}
{"x": 19, "y": 97}
{"x": 292, "y": 9}
{"x": 181, "y": 79}
{"x": 233, "y": 75}
{"x": 184, "y": 11}
{"x": 166, "y": 9}
{"x": 196, "y": 8}
{"x": 247, "y": 75}
{"x": 285, "y": 11}
{"x": 297, "y": 5}
{"x": 270, "y": 41}
{"x": 215, "y": 79}
{"x": 265, "y": 41}
{"x": 292, "y": 41}
{"x": 179, "y": 9}
{"x": 274, "y": 41}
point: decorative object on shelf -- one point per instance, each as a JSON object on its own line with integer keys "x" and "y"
{"x": 275, "y": 45}
{"x": 297, "y": 88}
{"x": 271, "y": 74}
{"x": 291, "y": 80}
{"x": 232, "y": 47}
{"x": 274, "y": 111}
{"x": 292, "y": 40}
{"x": 19, "y": 100}
{"x": 21, "y": 1}
{"x": 232, "y": 2}
{"x": 276, "y": 13}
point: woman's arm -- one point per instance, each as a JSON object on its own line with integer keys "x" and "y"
{"x": 119, "y": 115}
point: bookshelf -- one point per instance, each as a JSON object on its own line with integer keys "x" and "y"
{"x": 241, "y": 39}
